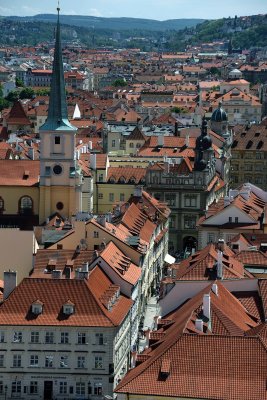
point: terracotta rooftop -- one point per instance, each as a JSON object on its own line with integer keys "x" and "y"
{"x": 19, "y": 173}
{"x": 213, "y": 364}
{"x": 85, "y": 295}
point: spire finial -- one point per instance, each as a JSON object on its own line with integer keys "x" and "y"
{"x": 58, "y": 8}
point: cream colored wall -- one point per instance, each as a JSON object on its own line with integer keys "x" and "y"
{"x": 12, "y": 194}
{"x": 136, "y": 146}
{"x": 17, "y": 249}
{"x": 51, "y": 195}
{"x": 105, "y": 204}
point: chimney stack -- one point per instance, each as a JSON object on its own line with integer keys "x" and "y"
{"x": 147, "y": 335}
{"x": 219, "y": 265}
{"x": 138, "y": 190}
{"x": 206, "y": 306}
{"x": 101, "y": 220}
{"x": 199, "y": 325}
{"x": 10, "y": 282}
{"x": 214, "y": 288}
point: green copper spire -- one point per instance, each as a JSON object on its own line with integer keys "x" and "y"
{"x": 57, "y": 112}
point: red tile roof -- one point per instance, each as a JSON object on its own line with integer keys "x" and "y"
{"x": 121, "y": 264}
{"x": 85, "y": 295}
{"x": 219, "y": 364}
{"x": 13, "y": 173}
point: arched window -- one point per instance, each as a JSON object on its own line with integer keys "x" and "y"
{"x": 2, "y": 205}
{"x": 26, "y": 205}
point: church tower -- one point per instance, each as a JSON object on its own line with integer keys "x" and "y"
{"x": 60, "y": 177}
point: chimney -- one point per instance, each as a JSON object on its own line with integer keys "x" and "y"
{"x": 156, "y": 322}
{"x": 31, "y": 153}
{"x": 109, "y": 217}
{"x": 206, "y": 306}
{"x": 177, "y": 131}
{"x": 187, "y": 140}
{"x": 219, "y": 265}
{"x": 199, "y": 325}
{"x": 10, "y": 282}
{"x": 147, "y": 335}
{"x": 85, "y": 266}
{"x": 138, "y": 190}
{"x": 90, "y": 145}
{"x": 214, "y": 288}
{"x": 68, "y": 272}
{"x": 80, "y": 274}
{"x": 221, "y": 244}
{"x": 161, "y": 140}
{"x": 95, "y": 255}
{"x": 133, "y": 358}
{"x": 101, "y": 220}
{"x": 117, "y": 210}
{"x": 93, "y": 161}
{"x": 56, "y": 274}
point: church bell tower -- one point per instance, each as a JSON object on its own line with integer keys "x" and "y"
{"x": 60, "y": 177}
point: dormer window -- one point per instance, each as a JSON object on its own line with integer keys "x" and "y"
{"x": 68, "y": 308}
{"x": 37, "y": 307}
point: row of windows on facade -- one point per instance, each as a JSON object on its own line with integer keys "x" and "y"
{"x": 190, "y": 200}
{"x": 50, "y": 362}
{"x": 258, "y": 155}
{"x": 25, "y": 205}
{"x": 49, "y": 338}
{"x": 63, "y": 388}
{"x": 248, "y": 167}
{"x": 248, "y": 178}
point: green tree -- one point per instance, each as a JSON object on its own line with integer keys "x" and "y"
{"x": 19, "y": 82}
{"x": 3, "y": 103}
{"x": 27, "y": 93}
{"x": 12, "y": 96}
{"x": 119, "y": 82}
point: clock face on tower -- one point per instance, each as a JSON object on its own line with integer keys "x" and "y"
{"x": 57, "y": 169}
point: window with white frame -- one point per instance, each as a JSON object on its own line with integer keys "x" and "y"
{"x": 81, "y": 338}
{"x": 113, "y": 143}
{"x": 49, "y": 361}
{"x": 17, "y": 337}
{"x": 80, "y": 362}
{"x": 190, "y": 200}
{"x": 80, "y": 388}
{"x": 49, "y": 337}
{"x": 35, "y": 337}
{"x": 34, "y": 360}
{"x": 98, "y": 362}
{"x": 189, "y": 221}
{"x": 33, "y": 387}
{"x": 16, "y": 387}
{"x": 100, "y": 195}
{"x": 111, "y": 196}
{"x": 2, "y": 360}
{"x": 99, "y": 337}
{"x": 211, "y": 237}
{"x": 64, "y": 337}
{"x": 122, "y": 197}
{"x": 63, "y": 388}
{"x": 170, "y": 199}
{"x": 98, "y": 389}
{"x": 96, "y": 234}
{"x": 63, "y": 362}
{"x": 17, "y": 360}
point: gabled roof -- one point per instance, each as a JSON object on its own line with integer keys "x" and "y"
{"x": 54, "y": 293}
{"x": 219, "y": 363}
{"x": 200, "y": 266}
{"x": 121, "y": 264}
{"x": 136, "y": 134}
{"x": 18, "y": 115}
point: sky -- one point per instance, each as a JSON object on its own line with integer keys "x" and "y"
{"x": 152, "y": 9}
